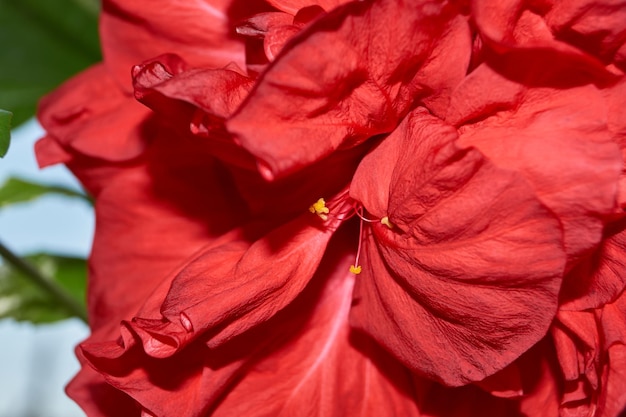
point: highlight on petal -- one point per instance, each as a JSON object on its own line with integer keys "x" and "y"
{"x": 340, "y": 82}
{"x": 468, "y": 279}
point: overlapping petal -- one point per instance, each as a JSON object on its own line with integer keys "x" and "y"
{"x": 340, "y": 82}
{"x": 590, "y": 347}
{"x": 468, "y": 277}
{"x": 198, "y": 30}
{"x": 195, "y": 101}
{"x": 293, "y": 6}
{"x": 311, "y": 337}
{"x": 329, "y": 371}
{"x": 512, "y": 124}
{"x": 517, "y": 30}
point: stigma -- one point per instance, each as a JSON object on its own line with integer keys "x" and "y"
{"x": 343, "y": 207}
{"x": 319, "y": 208}
{"x": 356, "y": 270}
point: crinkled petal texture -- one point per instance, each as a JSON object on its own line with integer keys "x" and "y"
{"x": 591, "y": 347}
{"x": 597, "y": 27}
{"x": 512, "y": 123}
{"x": 468, "y": 277}
{"x": 340, "y": 82}
{"x": 310, "y": 342}
{"x": 198, "y": 30}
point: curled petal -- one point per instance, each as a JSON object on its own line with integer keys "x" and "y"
{"x": 323, "y": 360}
{"x": 468, "y": 278}
{"x": 310, "y": 338}
{"x": 195, "y": 101}
{"x": 133, "y": 32}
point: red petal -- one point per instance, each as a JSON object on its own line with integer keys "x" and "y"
{"x": 514, "y": 124}
{"x": 293, "y": 6}
{"x": 309, "y": 342}
{"x": 468, "y": 278}
{"x": 108, "y": 128}
{"x": 599, "y": 278}
{"x": 323, "y": 368}
{"x": 596, "y": 26}
{"x": 195, "y": 101}
{"x": 133, "y": 32}
{"x": 165, "y": 210}
{"x": 514, "y": 30}
{"x": 340, "y": 82}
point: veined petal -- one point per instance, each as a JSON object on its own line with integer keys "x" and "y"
{"x": 521, "y": 120}
{"x": 340, "y": 82}
{"x": 468, "y": 278}
{"x": 310, "y": 339}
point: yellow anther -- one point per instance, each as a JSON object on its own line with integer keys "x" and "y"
{"x": 356, "y": 270}
{"x": 319, "y": 208}
{"x": 386, "y": 222}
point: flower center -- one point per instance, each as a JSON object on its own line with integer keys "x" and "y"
{"x": 336, "y": 209}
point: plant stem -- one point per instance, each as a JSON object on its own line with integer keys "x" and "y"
{"x": 43, "y": 282}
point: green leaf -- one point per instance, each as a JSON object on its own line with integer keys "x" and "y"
{"x": 42, "y": 43}
{"x": 23, "y": 300}
{"x": 5, "y": 131}
{"x": 16, "y": 190}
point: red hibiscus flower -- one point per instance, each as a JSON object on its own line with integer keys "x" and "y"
{"x": 352, "y": 208}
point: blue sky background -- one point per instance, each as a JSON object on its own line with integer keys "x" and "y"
{"x": 37, "y": 361}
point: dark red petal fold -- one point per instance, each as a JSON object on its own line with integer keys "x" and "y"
{"x": 340, "y": 82}
{"x": 599, "y": 278}
{"x": 468, "y": 277}
{"x": 515, "y": 30}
